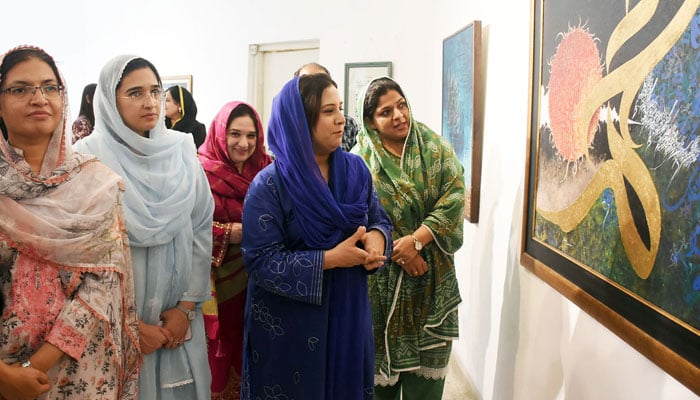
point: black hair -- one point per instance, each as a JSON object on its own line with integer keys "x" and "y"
{"x": 378, "y": 88}
{"x": 138, "y": 63}
{"x": 311, "y": 89}
{"x": 86, "y": 108}
{"x": 240, "y": 111}
{"x": 15, "y": 57}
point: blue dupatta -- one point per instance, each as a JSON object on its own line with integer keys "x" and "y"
{"x": 326, "y": 212}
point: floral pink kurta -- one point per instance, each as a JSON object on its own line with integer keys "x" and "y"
{"x": 42, "y": 311}
{"x": 85, "y": 309}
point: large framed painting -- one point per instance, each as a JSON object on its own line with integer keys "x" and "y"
{"x": 462, "y": 107}
{"x": 612, "y": 210}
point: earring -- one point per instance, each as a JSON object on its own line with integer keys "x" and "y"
{"x": 179, "y": 109}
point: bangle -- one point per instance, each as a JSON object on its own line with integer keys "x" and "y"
{"x": 26, "y": 364}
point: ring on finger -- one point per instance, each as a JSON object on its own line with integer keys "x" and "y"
{"x": 402, "y": 262}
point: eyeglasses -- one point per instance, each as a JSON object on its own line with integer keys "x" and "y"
{"x": 50, "y": 92}
{"x": 139, "y": 95}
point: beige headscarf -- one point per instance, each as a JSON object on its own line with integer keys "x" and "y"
{"x": 63, "y": 207}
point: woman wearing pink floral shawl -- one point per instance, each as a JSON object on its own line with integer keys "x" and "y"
{"x": 65, "y": 272}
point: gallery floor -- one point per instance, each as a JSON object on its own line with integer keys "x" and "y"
{"x": 457, "y": 386}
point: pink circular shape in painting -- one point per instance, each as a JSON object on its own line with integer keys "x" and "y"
{"x": 575, "y": 70}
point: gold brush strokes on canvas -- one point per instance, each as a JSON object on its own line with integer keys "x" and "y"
{"x": 625, "y": 163}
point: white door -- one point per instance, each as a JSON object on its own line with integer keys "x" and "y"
{"x": 271, "y": 66}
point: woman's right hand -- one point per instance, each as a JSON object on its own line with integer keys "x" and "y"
{"x": 374, "y": 244}
{"x": 151, "y": 337}
{"x": 348, "y": 254}
{"x": 23, "y": 383}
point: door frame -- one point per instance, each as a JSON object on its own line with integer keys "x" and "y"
{"x": 256, "y": 57}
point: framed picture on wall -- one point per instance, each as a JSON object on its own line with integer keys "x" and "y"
{"x": 179, "y": 80}
{"x": 612, "y": 206}
{"x": 462, "y": 107}
{"x": 357, "y": 75}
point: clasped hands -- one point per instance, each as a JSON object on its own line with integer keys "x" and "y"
{"x": 348, "y": 254}
{"x": 170, "y": 334}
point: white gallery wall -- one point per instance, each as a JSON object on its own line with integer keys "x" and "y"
{"x": 520, "y": 339}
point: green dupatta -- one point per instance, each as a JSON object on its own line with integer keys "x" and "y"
{"x": 415, "y": 318}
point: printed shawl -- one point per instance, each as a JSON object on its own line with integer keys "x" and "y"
{"x": 423, "y": 187}
{"x": 69, "y": 217}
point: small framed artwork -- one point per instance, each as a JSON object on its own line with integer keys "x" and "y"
{"x": 357, "y": 75}
{"x": 612, "y": 206}
{"x": 179, "y": 80}
{"x": 462, "y": 107}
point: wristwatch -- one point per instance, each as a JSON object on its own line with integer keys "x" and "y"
{"x": 190, "y": 313}
{"x": 417, "y": 243}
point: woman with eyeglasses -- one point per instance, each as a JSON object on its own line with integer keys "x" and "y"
{"x": 169, "y": 208}
{"x": 69, "y": 326}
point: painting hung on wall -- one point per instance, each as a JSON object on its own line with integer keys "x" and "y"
{"x": 462, "y": 108}
{"x": 612, "y": 216}
{"x": 180, "y": 80}
{"x": 358, "y": 75}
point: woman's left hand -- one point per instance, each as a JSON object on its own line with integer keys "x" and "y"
{"x": 404, "y": 251}
{"x": 176, "y": 322}
{"x": 416, "y": 267}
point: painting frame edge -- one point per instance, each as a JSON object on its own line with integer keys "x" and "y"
{"x": 471, "y": 213}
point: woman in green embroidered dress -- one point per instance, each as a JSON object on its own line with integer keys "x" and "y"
{"x": 420, "y": 183}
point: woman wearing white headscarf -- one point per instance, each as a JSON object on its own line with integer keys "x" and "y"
{"x": 169, "y": 210}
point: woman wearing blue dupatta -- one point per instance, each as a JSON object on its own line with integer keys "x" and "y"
{"x": 314, "y": 230}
